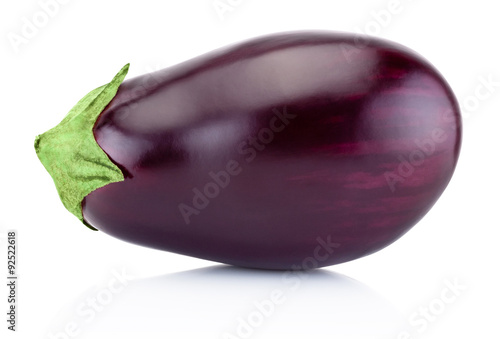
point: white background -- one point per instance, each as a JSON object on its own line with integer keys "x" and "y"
{"x": 63, "y": 265}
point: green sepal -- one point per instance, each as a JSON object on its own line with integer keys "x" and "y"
{"x": 71, "y": 155}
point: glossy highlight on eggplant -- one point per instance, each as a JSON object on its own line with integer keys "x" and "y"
{"x": 294, "y": 150}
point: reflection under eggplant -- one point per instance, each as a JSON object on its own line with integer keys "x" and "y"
{"x": 230, "y": 302}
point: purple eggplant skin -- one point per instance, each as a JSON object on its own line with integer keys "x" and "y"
{"x": 290, "y": 151}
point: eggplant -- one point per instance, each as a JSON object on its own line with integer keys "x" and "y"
{"x": 289, "y": 151}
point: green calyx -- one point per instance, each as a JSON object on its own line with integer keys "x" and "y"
{"x": 70, "y": 153}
